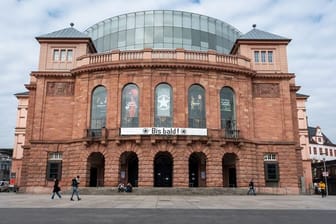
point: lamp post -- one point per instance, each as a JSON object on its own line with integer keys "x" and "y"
{"x": 325, "y": 174}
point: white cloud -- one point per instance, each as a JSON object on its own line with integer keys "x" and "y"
{"x": 310, "y": 24}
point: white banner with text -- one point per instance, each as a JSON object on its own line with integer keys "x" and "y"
{"x": 164, "y": 131}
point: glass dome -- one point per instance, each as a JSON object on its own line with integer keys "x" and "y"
{"x": 163, "y": 29}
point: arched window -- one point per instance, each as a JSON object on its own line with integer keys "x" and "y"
{"x": 163, "y": 106}
{"x": 98, "y": 110}
{"x": 130, "y": 106}
{"x": 227, "y": 108}
{"x": 196, "y": 107}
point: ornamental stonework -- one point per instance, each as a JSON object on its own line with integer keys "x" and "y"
{"x": 60, "y": 89}
{"x": 267, "y": 90}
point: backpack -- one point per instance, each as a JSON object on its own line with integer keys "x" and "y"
{"x": 74, "y": 183}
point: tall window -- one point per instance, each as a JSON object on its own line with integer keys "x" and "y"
{"x": 196, "y": 107}
{"x": 54, "y": 166}
{"x": 227, "y": 109}
{"x": 163, "y": 106}
{"x": 63, "y": 55}
{"x": 256, "y": 56}
{"x": 56, "y": 55}
{"x": 263, "y": 56}
{"x": 69, "y": 55}
{"x": 130, "y": 106}
{"x": 270, "y": 56}
{"x": 98, "y": 110}
{"x": 271, "y": 170}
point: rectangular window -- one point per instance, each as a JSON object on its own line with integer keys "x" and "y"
{"x": 271, "y": 172}
{"x": 320, "y": 149}
{"x": 63, "y": 55}
{"x": 69, "y": 55}
{"x": 54, "y": 166}
{"x": 310, "y": 152}
{"x": 263, "y": 56}
{"x": 331, "y": 152}
{"x": 326, "y": 152}
{"x": 56, "y": 55}
{"x": 270, "y": 56}
{"x": 54, "y": 169}
{"x": 315, "y": 151}
{"x": 270, "y": 157}
{"x": 256, "y": 56}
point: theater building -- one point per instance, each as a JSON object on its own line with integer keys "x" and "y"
{"x": 162, "y": 99}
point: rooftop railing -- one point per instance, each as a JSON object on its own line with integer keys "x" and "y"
{"x": 150, "y": 54}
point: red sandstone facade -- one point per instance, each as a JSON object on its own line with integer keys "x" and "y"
{"x": 59, "y": 113}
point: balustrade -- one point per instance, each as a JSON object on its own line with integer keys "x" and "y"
{"x": 178, "y": 55}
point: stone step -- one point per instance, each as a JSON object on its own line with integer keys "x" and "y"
{"x": 162, "y": 191}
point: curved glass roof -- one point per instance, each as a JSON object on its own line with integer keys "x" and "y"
{"x": 163, "y": 29}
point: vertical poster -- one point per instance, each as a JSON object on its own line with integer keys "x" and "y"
{"x": 163, "y": 102}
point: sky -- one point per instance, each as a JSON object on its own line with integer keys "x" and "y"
{"x": 311, "y": 24}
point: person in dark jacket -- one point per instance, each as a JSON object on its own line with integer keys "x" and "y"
{"x": 56, "y": 189}
{"x": 129, "y": 187}
{"x": 74, "y": 184}
{"x": 251, "y": 188}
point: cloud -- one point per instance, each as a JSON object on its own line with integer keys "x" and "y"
{"x": 310, "y": 25}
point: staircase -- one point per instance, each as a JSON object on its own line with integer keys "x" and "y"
{"x": 162, "y": 191}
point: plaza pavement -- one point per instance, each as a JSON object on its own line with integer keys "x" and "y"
{"x": 127, "y": 200}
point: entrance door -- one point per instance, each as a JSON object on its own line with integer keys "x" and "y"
{"x": 132, "y": 169}
{"x": 93, "y": 177}
{"x": 193, "y": 171}
{"x": 129, "y": 168}
{"x": 229, "y": 170}
{"x": 163, "y": 170}
{"x": 232, "y": 177}
{"x": 197, "y": 170}
{"x": 95, "y": 170}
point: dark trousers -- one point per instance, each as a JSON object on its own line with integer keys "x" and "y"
{"x": 56, "y": 192}
{"x": 323, "y": 193}
{"x": 251, "y": 190}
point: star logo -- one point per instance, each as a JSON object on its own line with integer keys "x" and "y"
{"x": 164, "y": 102}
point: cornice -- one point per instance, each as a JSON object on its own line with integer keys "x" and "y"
{"x": 145, "y": 64}
{"x": 294, "y": 88}
{"x": 60, "y": 74}
{"x": 31, "y": 86}
{"x": 275, "y": 75}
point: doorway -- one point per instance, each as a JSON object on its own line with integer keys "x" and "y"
{"x": 96, "y": 168}
{"x": 229, "y": 170}
{"x": 163, "y": 170}
{"x": 197, "y": 170}
{"x": 129, "y": 168}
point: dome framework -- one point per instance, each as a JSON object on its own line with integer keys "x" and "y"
{"x": 163, "y": 29}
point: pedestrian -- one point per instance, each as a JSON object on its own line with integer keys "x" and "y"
{"x": 129, "y": 187}
{"x": 322, "y": 186}
{"x": 251, "y": 188}
{"x": 56, "y": 189}
{"x": 121, "y": 187}
{"x": 74, "y": 184}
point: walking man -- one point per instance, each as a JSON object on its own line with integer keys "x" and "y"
{"x": 322, "y": 186}
{"x": 56, "y": 189}
{"x": 74, "y": 184}
{"x": 251, "y": 188}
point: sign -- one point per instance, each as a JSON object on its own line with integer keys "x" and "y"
{"x": 325, "y": 174}
{"x": 164, "y": 131}
{"x": 226, "y": 105}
